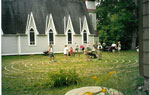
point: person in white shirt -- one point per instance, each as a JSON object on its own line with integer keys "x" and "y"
{"x": 113, "y": 46}
{"x": 99, "y": 51}
{"x": 51, "y": 52}
{"x": 66, "y": 52}
{"x": 77, "y": 49}
{"x": 137, "y": 48}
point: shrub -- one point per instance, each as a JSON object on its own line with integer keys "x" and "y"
{"x": 64, "y": 78}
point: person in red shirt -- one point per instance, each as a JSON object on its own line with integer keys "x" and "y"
{"x": 71, "y": 51}
{"x": 82, "y": 48}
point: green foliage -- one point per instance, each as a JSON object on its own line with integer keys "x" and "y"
{"x": 64, "y": 78}
{"x": 116, "y": 21}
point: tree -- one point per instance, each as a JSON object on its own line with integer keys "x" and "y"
{"x": 116, "y": 21}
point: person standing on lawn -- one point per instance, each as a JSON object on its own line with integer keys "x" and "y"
{"x": 71, "y": 51}
{"x": 51, "y": 52}
{"x": 119, "y": 47}
{"x": 99, "y": 51}
{"x": 95, "y": 45}
{"x": 87, "y": 53}
{"x": 104, "y": 46}
{"x": 82, "y": 48}
{"x": 113, "y": 46}
{"x": 66, "y": 52}
{"x": 77, "y": 49}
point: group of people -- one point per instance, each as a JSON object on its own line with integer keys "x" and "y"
{"x": 116, "y": 47}
{"x": 94, "y": 51}
{"x": 71, "y": 52}
{"x": 67, "y": 51}
{"x": 90, "y": 51}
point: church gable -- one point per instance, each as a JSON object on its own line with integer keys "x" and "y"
{"x": 85, "y": 26}
{"x": 50, "y": 24}
{"x": 69, "y": 26}
{"x": 31, "y": 24}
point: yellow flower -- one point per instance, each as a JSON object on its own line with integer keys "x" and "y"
{"x": 103, "y": 90}
{"x": 110, "y": 73}
{"x": 95, "y": 77}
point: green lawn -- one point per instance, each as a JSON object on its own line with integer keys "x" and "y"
{"x": 26, "y": 75}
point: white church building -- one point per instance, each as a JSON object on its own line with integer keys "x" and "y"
{"x": 29, "y": 26}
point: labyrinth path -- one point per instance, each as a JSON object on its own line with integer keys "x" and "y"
{"x": 32, "y": 69}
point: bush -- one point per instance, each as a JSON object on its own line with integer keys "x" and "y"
{"x": 64, "y": 78}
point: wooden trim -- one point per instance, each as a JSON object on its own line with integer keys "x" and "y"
{"x": 141, "y": 37}
{"x": 9, "y": 35}
{"x": 22, "y": 53}
{"x": 19, "y": 45}
{"x": 60, "y": 35}
{"x": 77, "y": 35}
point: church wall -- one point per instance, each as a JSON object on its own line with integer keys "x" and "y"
{"x": 41, "y": 45}
{"x": 60, "y": 41}
{"x": 9, "y": 45}
{"x": 78, "y": 40}
{"x": 91, "y": 40}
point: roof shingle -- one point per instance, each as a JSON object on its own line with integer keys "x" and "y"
{"x": 15, "y": 13}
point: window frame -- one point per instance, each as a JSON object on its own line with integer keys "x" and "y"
{"x": 32, "y": 43}
{"x": 69, "y": 32}
{"x": 85, "y": 32}
{"x": 50, "y": 32}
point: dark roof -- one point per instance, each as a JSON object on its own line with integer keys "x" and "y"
{"x": 15, "y": 13}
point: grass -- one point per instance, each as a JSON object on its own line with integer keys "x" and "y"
{"x": 29, "y": 75}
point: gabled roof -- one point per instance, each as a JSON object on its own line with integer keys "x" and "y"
{"x": 15, "y": 13}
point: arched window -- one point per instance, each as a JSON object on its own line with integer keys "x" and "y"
{"x": 32, "y": 37}
{"x": 69, "y": 37}
{"x": 84, "y": 37}
{"x": 51, "y": 37}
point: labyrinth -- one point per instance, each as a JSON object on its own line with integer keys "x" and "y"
{"x": 19, "y": 72}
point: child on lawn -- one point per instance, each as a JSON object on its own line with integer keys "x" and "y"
{"x": 71, "y": 51}
{"x": 119, "y": 47}
{"x": 77, "y": 49}
{"x": 50, "y": 50}
{"x": 66, "y": 52}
